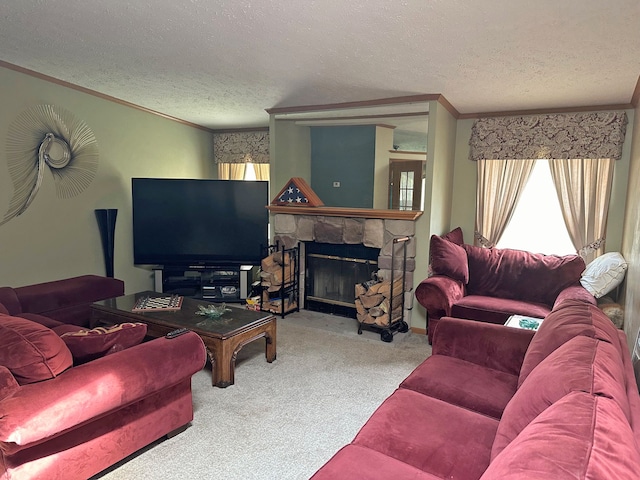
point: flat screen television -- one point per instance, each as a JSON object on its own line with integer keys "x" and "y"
{"x": 199, "y": 222}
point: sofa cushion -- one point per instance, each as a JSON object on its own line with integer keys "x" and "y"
{"x": 355, "y": 461}
{"x": 520, "y": 275}
{"x": 431, "y": 435}
{"x": 87, "y": 345}
{"x": 448, "y": 259}
{"x": 496, "y": 310}
{"x": 580, "y": 437}
{"x": 582, "y": 364}
{"x": 568, "y": 320}
{"x": 604, "y": 273}
{"x": 31, "y": 351}
{"x": 463, "y": 383}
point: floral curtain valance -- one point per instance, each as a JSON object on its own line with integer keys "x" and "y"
{"x": 559, "y": 136}
{"x": 241, "y": 147}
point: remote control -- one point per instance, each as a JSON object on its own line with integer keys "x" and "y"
{"x": 177, "y": 333}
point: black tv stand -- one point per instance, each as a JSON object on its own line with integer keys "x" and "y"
{"x": 215, "y": 283}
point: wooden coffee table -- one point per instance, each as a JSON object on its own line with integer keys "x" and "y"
{"x": 223, "y": 337}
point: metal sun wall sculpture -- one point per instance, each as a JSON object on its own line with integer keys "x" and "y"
{"x": 48, "y": 136}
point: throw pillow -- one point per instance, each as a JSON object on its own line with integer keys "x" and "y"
{"x": 604, "y": 274}
{"x": 31, "y": 352}
{"x": 454, "y": 236}
{"x": 448, "y": 259}
{"x": 87, "y": 345}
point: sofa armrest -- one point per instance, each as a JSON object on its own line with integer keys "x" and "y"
{"x": 81, "y": 394}
{"x": 575, "y": 292}
{"x": 438, "y": 294}
{"x": 486, "y": 344}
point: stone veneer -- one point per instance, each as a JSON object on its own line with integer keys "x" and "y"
{"x": 291, "y": 230}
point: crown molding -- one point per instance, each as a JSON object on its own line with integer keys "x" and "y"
{"x": 88, "y": 91}
{"x": 543, "y": 111}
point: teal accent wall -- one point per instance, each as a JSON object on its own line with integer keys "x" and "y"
{"x": 344, "y": 154}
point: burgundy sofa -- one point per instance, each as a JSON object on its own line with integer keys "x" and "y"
{"x": 65, "y": 301}
{"x": 64, "y": 415}
{"x": 496, "y": 402}
{"x": 491, "y": 284}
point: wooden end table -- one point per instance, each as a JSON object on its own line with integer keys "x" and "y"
{"x": 223, "y": 337}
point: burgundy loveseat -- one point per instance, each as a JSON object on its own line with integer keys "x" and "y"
{"x": 66, "y": 415}
{"x": 491, "y": 284}
{"x": 494, "y": 402}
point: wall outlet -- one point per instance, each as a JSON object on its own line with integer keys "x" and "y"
{"x": 336, "y": 184}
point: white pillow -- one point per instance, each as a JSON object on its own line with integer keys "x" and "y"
{"x": 604, "y": 274}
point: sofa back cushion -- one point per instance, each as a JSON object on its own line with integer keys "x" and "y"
{"x": 9, "y": 303}
{"x": 569, "y": 319}
{"x": 580, "y": 437}
{"x": 8, "y": 383}
{"x": 31, "y": 351}
{"x": 520, "y": 275}
{"x": 582, "y": 364}
{"x": 68, "y": 300}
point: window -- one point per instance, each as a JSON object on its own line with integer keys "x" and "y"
{"x": 249, "y": 171}
{"x": 537, "y": 224}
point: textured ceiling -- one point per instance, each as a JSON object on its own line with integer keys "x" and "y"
{"x": 221, "y": 63}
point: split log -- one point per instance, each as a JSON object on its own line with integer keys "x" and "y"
{"x": 385, "y": 288}
{"x": 373, "y": 302}
{"x": 365, "y": 318}
{"x": 370, "y": 301}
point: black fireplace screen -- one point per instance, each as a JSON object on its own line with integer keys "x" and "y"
{"x": 332, "y": 272}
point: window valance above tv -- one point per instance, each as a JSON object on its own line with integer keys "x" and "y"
{"x": 241, "y": 147}
{"x": 554, "y": 136}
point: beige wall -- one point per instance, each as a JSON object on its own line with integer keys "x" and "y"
{"x": 438, "y": 195}
{"x": 56, "y": 238}
{"x": 290, "y": 156}
{"x": 631, "y": 239}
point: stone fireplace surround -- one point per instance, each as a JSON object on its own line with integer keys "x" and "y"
{"x": 292, "y": 226}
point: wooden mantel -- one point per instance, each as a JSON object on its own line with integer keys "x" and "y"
{"x": 411, "y": 215}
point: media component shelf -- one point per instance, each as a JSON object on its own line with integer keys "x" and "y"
{"x": 222, "y": 283}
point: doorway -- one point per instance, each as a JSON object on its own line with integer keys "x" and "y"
{"x": 405, "y": 184}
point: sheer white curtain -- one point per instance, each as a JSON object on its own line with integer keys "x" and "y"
{"x": 262, "y": 171}
{"x": 500, "y": 185}
{"x": 584, "y": 191}
{"x": 231, "y": 171}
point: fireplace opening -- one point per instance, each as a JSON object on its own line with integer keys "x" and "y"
{"x": 331, "y": 273}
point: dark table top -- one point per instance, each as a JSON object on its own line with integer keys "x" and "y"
{"x": 237, "y": 319}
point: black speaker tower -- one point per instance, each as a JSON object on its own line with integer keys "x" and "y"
{"x": 106, "y": 218}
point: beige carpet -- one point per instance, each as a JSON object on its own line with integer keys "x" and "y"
{"x": 283, "y": 420}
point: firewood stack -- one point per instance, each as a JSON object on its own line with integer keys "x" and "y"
{"x": 373, "y": 301}
{"x": 277, "y": 269}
